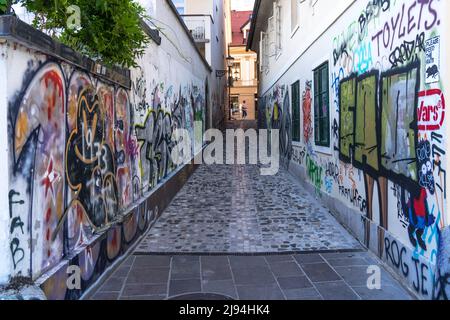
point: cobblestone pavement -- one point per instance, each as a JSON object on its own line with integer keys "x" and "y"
{"x": 326, "y": 276}
{"x": 233, "y": 234}
{"x": 234, "y": 209}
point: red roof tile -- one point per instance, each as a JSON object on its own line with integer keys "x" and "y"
{"x": 238, "y": 20}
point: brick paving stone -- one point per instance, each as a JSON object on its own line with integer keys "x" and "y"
{"x": 285, "y": 269}
{"x": 384, "y": 293}
{"x": 336, "y": 291}
{"x": 298, "y": 282}
{"x": 320, "y": 272}
{"x": 253, "y": 278}
{"x": 259, "y": 292}
{"x": 224, "y": 287}
{"x": 302, "y": 294}
{"x": 295, "y": 246}
{"x": 177, "y": 287}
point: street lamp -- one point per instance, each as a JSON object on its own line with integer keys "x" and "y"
{"x": 230, "y": 63}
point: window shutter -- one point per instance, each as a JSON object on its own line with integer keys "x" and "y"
{"x": 293, "y": 14}
{"x": 277, "y": 26}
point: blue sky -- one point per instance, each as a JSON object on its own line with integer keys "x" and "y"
{"x": 241, "y": 5}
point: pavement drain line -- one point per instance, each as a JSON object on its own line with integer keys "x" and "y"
{"x": 247, "y": 254}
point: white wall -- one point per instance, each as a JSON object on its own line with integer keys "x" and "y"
{"x": 40, "y": 93}
{"x": 218, "y": 55}
{"x": 215, "y": 50}
{"x": 175, "y": 42}
{"x": 247, "y": 61}
{"x": 342, "y": 185}
{"x": 5, "y": 253}
{"x": 199, "y": 7}
{"x": 313, "y": 21}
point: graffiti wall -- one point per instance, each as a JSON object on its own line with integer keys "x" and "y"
{"x": 85, "y": 153}
{"x": 164, "y": 99}
{"x": 391, "y": 110}
{"x": 388, "y": 153}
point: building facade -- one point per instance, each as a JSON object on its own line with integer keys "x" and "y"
{"x": 207, "y": 21}
{"x": 54, "y": 223}
{"x": 358, "y": 93}
{"x": 244, "y": 87}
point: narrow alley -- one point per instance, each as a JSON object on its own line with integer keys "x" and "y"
{"x": 231, "y": 233}
{"x": 114, "y": 118}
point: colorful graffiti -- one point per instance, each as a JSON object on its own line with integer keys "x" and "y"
{"x": 84, "y": 152}
{"x": 419, "y": 273}
{"x": 90, "y": 162}
{"x": 37, "y": 134}
{"x": 315, "y": 173}
{"x": 154, "y": 124}
{"x": 387, "y": 118}
{"x": 307, "y": 115}
{"x": 277, "y": 110}
{"x": 389, "y": 111}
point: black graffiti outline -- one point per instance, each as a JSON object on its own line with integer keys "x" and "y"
{"x": 152, "y": 148}
{"x": 20, "y": 164}
{"x": 378, "y": 175}
{"x": 372, "y": 11}
{"x": 400, "y": 179}
{"x": 16, "y": 222}
{"x": 407, "y": 51}
{"x": 100, "y": 166}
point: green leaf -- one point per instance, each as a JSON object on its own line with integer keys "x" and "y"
{"x": 110, "y": 29}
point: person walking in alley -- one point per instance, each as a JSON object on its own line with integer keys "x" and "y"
{"x": 244, "y": 110}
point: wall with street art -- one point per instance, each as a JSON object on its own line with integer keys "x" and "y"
{"x": 84, "y": 154}
{"x": 163, "y": 100}
{"x": 387, "y": 153}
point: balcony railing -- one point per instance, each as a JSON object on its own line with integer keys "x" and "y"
{"x": 198, "y": 27}
{"x": 245, "y": 83}
{"x": 198, "y": 33}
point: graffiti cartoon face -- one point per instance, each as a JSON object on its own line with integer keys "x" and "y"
{"x": 425, "y": 166}
{"x": 91, "y": 128}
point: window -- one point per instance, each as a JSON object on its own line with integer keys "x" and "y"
{"x": 234, "y": 105}
{"x": 180, "y": 5}
{"x": 321, "y": 106}
{"x": 277, "y": 26}
{"x": 295, "y": 13}
{"x": 296, "y": 111}
{"x": 236, "y": 71}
